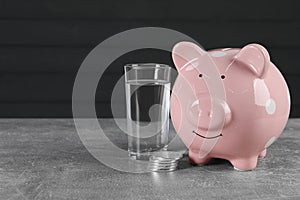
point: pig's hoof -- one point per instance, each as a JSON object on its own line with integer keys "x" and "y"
{"x": 241, "y": 170}
{"x": 244, "y": 164}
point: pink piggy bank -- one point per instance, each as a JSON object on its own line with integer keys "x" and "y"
{"x": 228, "y": 103}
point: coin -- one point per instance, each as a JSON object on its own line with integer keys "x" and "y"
{"x": 164, "y": 160}
{"x": 158, "y": 160}
{"x": 162, "y": 165}
{"x": 166, "y": 155}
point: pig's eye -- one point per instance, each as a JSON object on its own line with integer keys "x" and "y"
{"x": 222, "y": 76}
{"x": 200, "y": 75}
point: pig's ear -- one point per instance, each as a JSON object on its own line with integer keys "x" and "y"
{"x": 255, "y": 57}
{"x": 185, "y": 54}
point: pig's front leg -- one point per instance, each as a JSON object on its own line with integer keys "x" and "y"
{"x": 244, "y": 164}
{"x": 194, "y": 158}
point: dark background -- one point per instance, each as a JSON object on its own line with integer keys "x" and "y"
{"x": 42, "y": 43}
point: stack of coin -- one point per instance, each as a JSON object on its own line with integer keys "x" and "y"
{"x": 164, "y": 160}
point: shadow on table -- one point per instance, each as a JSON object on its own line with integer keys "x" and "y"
{"x": 214, "y": 165}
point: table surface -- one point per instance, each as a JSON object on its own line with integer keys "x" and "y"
{"x": 45, "y": 159}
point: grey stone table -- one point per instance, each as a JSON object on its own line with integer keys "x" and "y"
{"x": 45, "y": 159}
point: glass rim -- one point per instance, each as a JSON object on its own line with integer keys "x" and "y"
{"x": 146, "y": 66}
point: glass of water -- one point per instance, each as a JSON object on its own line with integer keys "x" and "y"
{"x": 147, "y": 88}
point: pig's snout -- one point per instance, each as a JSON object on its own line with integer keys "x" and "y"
{"x": 207, "y": 112}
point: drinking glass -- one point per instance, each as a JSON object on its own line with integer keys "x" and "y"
{"x": 147, "y": 88}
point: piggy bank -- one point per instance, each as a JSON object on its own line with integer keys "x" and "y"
{"x": 228, "y": 103}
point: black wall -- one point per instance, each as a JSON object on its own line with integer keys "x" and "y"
{"x": 42, "y": 43}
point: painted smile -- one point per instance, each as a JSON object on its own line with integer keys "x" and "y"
{"x": 207, "y": 137}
